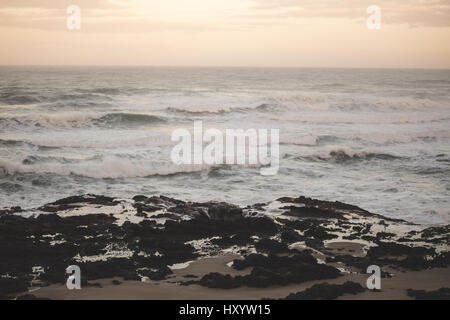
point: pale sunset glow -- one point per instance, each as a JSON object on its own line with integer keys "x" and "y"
{"x": 319, "y": 33}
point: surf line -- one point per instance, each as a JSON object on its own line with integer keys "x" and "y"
{"x": 236, "y": 147}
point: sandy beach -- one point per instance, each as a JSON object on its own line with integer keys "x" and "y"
{"x": 394, "y": 288}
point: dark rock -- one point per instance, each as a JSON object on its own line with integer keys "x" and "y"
{"x": 384, "y": 235}
{"x": 11, "y": 210}
{"x": 9, "y": 287}
{"x": 325, "y": 291}
{"x": 189, "y": 210}
{"x": 217, "y": 280}
{"x": 441, "y": 294}
{"x": 319, "y": 233}
{"x": 233, "y": 240}
{"x": 141, "y": 208}
{"x": 205, "y": 228}
{"x": 291, "y": 236}
{"x": 271, "y": 246}
{"x": 76, "y": 201}
{"x": 161, "y": 274}
{"x": 166, "y": 216}
{"x": 54, "y": 242}
{"x": 314, "y": 243}
{"x": 312, "y": 212}
{"x": 308, "y": 202}
{"x": 392, "y": 249}
{"x": 30, "y": 297}
{"x": 224, "y": 211}
{"x": 140, "y": 198}
{"x": 171, "y": 200}
{"x": 88, "y": 199}
{"x": 271, "y": 270}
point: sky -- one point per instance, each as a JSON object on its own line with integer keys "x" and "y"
{"x": 271, "y": 33}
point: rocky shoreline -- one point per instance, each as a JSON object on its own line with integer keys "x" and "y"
{"x": 280, "y": 244}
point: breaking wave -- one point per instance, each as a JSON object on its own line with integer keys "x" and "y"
{"x": 342, "y": 157}
{"x": 218, "y": 110}
{"x": 22, "y": 143}
{"x": 112, "y": 167}
{"x": 127, "y": 119}
{"x": 78, "y": 119}
{"x": 18, "y": 99}
{"x": 204, "y": 111}
{"x": 309, "y": 141}
{"x": 22, "y": 96}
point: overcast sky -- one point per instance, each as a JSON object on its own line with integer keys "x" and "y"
{"x": 302, "y": 33}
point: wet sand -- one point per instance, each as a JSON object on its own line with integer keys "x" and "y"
{"x": 170, "y": 289}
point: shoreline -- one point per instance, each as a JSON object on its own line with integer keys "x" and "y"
{"x": 164, "y": 248}
{"x": 394, "y": 288}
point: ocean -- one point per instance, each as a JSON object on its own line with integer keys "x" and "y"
{"x": 376, "y": 138}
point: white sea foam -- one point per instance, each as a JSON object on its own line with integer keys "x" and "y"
{"x": 109, "y": 167}
{"x": 376, "y": 138}
{"x": 77, "y": 119}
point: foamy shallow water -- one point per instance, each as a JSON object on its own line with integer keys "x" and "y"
{"x": 379, "y": 139}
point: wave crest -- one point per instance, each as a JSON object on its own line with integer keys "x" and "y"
{"x": 110, "y": 167}
{"x": 78, "y": 119}
{"x": 114, "y": 119}
{"x": 342, "y": 157}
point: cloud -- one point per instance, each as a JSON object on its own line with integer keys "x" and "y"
{"x": 52, "y": 4}
{"x": 426, "y": 13}
{"x": 139, "y": 16}
{"x": 51, "y": 15}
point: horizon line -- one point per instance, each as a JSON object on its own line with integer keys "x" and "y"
{"x": 223, "y": 67}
